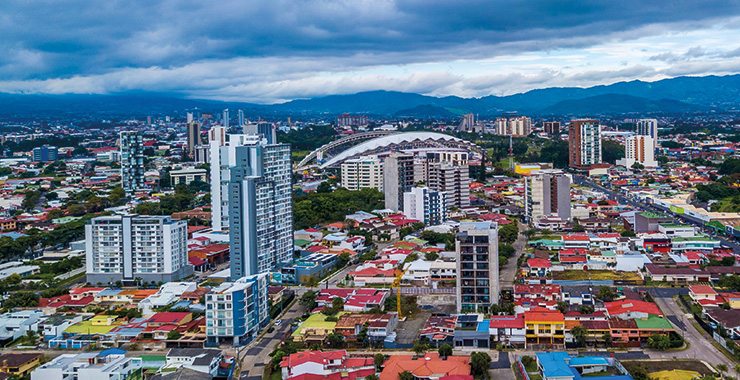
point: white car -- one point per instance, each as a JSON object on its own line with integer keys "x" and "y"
{"x": 278, "y": 322}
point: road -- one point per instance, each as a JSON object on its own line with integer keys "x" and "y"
{"x": 700, "y": 346}
{"x": 619, "y": 197}
{"x": 508, "y": 272}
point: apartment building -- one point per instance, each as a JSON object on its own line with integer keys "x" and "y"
{"x": 398, "y": 178}
{"x": 518, "y": 126}
{"x": 639, "y": 149}
{"x": 135, "y": 248}
{"x": 132, "y": 161}
{"x": 235, "y": 311}
{"x": 88, "y": 366}
{"x": 362, "y": 173}
{"x": 476, "y": 246}
{"x": 584, "y": 143}
{"x": 425, "y": 205}
{"x": 547, "y": 193}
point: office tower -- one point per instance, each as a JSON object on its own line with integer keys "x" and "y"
{"x": 398, "y": 178}
{"x": 263, "y": 128}
{"x": 648, "y": 127}
{"x": 136, "y": 248}
{"x": 425, "y": 205}
{"x": 547, "y": 192}
{"x": 132, "y": 161}
{"x": 584, "y": 143}
{"x": 448, "y": 172}
{"x": 362, "y": 173}
{"x": 240, "y": 117}
{"x": 45, "y": 153}
{"x": 225, "y": 119}
{"x": 468, "y": 124}
{"x": 517, "y": 126}
{"x": 188, "y": 117}
{"x": 552, "y": 127}
{"x": 639, "y": 149}
{"x": 260, "y": 208}
{"x": 476, "y": 246}
{"x": 235, "y": 311}
{"x": 193, "y": 137}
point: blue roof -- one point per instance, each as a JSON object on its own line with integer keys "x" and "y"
{"x": 554, "y": 364}
{"x": 13, "y": 235}
{"x": 484, "y": 326}
{"x": 109, "y": 292}
{"x": 588, "y": 361}
{"x": 181, "y": 305}
{"x": 112, "y": 351}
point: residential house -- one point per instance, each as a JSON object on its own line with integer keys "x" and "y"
{"x": 326, "y": 365}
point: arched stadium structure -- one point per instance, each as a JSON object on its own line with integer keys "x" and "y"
{"x": 338, "y": 145}
{"x": 408, "y": 141}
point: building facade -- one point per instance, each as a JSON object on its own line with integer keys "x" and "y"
{"x": 648, "y": 127}
{"x": 639, "y": 149}
{"x": 186, "y": 176}
{"x": 448, "y": 172}
{"x": 193, "y": 137}
{"x": 132, "y": 161}
{"x": 136, "y": 248}
{"x": 584, "y": 143}
{"x": 362, "y": 173}
{"x": 551, "y": 127}
{"x": 235, "y": 311}
{"x": 476, "y": 246}
{"x": 547, "y": 193}
{"x": 518, "y": 126}
{"x": 398, "y": 178}
{"x": 45, "y": 153}
{"x": 260, "y": 209}
{"x": 425, "y": 205}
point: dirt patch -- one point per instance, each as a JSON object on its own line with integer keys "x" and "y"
{"x": 596, "y": 275}
{"x": 649, "y": 366}
{"x": 408, "y": 330}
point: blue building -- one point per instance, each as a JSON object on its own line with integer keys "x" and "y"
{"x": 559, "y": 365}
{"x": 312, "y": 266}
{"x": 235, "y": 311}
{"x": 45, "y": 153}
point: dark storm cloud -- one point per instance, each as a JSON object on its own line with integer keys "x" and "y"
{"x": 50, "y": 39}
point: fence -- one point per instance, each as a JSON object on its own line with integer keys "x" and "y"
{"x": 522, "y": 369}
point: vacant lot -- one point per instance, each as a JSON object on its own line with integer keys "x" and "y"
{"x": 596, "y": 275}
{"x": 665, "y": 365}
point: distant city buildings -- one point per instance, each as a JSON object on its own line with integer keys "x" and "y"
{"x": 477, "y": 285}
{"x": 361, "y": 173}
{"x": 547, "y": 193}
{"x": 448, "y": 172}
{"x": 584, "y": 143}
{"x": 469, "y": 124}
{"x": 425, "y": 205}
{"x": 136, "y": 248}
{"x": 225, "y": 119}
{"x": 551, "y": 127}
{"x": 639, "y": 149}
{"x": 348, "y": 120}
{"x": 240, "y": 117}
{"x": 45, "y": 153}
{"x": 517, "y": 126}
{"x": 132, "y": 161}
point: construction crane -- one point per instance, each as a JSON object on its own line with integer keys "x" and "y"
{"x": 397, "y": 286}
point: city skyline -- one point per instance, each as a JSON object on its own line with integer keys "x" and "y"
{"x": 291, "y": 51}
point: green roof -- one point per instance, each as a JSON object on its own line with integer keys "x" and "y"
{"x": 153, "y": 358}
{"x": 316, "y": 321}
{"x": 301, "y": 242}
{"x": 674, "y": 225}
{"x": 653, "y": 215}
{"x": 654, "y": 322}
{"x": 694, "y": 238}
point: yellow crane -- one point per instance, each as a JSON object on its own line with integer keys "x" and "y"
{"x": 397, "y": 286}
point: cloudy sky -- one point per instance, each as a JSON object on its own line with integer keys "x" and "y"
{"x": 270, "y": 51}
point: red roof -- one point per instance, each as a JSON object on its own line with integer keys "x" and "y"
{"x": 168, "y": 317}
{"x": 539, "y": 263}
{"x": 573, "y": 259}
{"x": 507, "y": 321}
{"x": 65, "y": 300}
{"x": 543, "y": 315}
{"x": 702, "y": 289}
{"x": 373, "y": 272}
{"x": 321, "y": 357}
{"x": 196, "y": 261}
{"x": 631, "y": 306}
{"x": 576, "y": 237}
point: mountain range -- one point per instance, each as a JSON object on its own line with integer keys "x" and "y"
{"x": 668, "y": 96}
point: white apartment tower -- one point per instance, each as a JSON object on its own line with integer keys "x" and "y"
{"x": 476, "y": 246}
{"x": 135, "y": 248}
{"x": 518, "y": 126}
{"x": 362, "y": 173}
{"x": 546, "y": 193}
{"x": 639, "y": 149}
{"x": 648, "y": 127}
{"x": 425, "y": 205}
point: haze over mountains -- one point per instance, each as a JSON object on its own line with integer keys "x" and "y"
{"x": 668, "y": 96}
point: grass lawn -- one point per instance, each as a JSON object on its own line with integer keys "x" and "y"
{"x": 596, "y": 275}
{"x": 535, "y": 376}
{"x": 666, "y": 365}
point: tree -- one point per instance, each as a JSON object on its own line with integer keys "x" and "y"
{"x": 173, "y": 335}
{"x": 379, "y": 360}
{"x": 606, "y": 294}
{"x": 277, "y": 357}
{"x": 372, "y": 376}
{"x": 506, "y": 250}
{"x": 722, "y": 367}
{"x": 479, "y": 364}
{"x": 563, "y": 306}
{"x": 659, "y": 342}
{"x": 579, "y": 335}
{"x": 420, "y": 347}
{"x": 406, "y": 375}
{"x": 445, "y": 350}
{"x": 611, "y": 151}
{"x": 335, "y": 340}
{"x": 508, "y": 233}
{"x": 324, "y": 187}
{"x": 308, "y": 300}
{"x": 431, "y": 256}
{"x": 586, "y": 309}
{"x": 607, "y": 339}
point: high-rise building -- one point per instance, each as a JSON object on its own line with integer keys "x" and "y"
{"x": 469, "y": 124}
{"x": 267, "y": 130}
{"x": 193, "y": 137}
{"x": 202, "y": 154}
{"x": 398, "y": 178}
{"x": 552, "y": 127}
{"x": 240, "y": 117}
{"x": 132, "y": 161}
{"x": 546, "y": 193}
{"x": 517, "y": 126}
{"x": 362, "y": 173}
{"x": 45, "y": 153}
{"x": 448, "y": 172}
{"x": 188, "y": 117}
{"x": 425, "y": 205}
{"x": 225, "y": 119}
{"x": 136, "y": 248}
{"x": 476, "y": 246}
{"x": 639, "y": 149}
{"x": 584, "y": 143}
{"x": 235, "y": 311}
{"x": 648, "y": 127}
{"x": 260, "y": 208}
